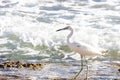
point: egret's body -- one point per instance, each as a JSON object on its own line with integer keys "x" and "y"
{"x": 81, "y": 48}
{"x": 84, "y": 49}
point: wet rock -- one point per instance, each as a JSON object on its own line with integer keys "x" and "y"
{"x": 4, "y": 79}
{"x": 1, "y": 66}
{"x": 7, "y": 65}
{"x": 119, "y": 70}
{"x": 37, "y": 66}
{"x": 18, "y": 64}
{"x": 10, "y": 77}
{"x": 16, "y": 76}
{"x": 116, "y": 79}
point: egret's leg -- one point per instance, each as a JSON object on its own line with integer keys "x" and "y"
{"x": 87, "y": 69}
{"x": 80, "y": 69}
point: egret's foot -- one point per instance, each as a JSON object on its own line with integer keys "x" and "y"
{"x": 75, "y": 78}
{"x": 86, "y": 79}
{"x": 87, "y": 73}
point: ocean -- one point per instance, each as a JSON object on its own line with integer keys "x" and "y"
{"x": 28, "y": 34}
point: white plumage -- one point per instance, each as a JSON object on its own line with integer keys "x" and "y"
{"x": 82, "y": 48}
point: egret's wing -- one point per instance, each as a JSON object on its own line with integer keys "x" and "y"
{"x": 84, "y": 49}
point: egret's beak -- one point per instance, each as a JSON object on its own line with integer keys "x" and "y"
{"x": 59, "y": 30}
{"x": 62, "y": 29}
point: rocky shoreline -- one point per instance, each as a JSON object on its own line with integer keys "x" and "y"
{"x": 17, "y": 70}
{"x": 18, "y": 64}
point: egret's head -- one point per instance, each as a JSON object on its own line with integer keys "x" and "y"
{"x": 66, "y": 28}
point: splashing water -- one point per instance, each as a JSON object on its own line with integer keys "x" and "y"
{"x": 28, "y": 32}
{"x": 28, "y": 27}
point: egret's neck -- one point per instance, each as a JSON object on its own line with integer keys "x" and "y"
{"x": 69, "y": 36}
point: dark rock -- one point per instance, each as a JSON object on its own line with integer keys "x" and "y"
{"x": 119, "y": 70}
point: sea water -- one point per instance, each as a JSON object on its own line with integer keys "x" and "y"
{"x": 28, "y": 28}
{"x": 28, "y": 32}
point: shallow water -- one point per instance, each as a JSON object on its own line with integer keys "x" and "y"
{"x": 28, "y": 33}
{"x": 62, "y": 71}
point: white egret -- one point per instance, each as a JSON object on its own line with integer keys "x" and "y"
{"x": 81, "y": 48}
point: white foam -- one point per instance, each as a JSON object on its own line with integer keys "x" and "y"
{"x": 90, "y": 24}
